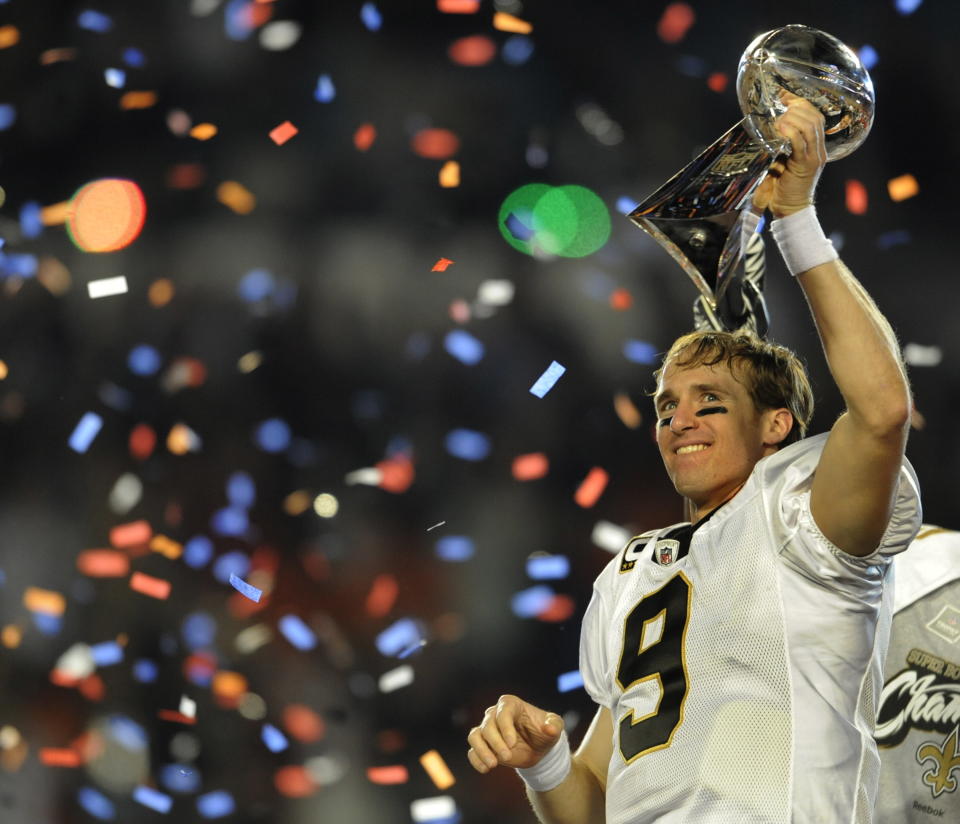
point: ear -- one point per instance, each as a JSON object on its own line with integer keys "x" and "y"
{"x": 778, "y": 423}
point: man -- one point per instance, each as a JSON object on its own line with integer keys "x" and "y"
{"x": 918, "y": 722}
{"x": 736, "y": 661}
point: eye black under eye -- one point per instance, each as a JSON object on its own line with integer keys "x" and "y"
{"x": 665, "y": 421}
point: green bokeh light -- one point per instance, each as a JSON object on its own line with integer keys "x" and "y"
{"x": 567, "y": 221}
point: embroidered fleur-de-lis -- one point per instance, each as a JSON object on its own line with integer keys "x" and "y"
{"x": 946, "y": 759}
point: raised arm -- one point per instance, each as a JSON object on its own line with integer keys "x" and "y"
{"x": 856, "y": 480}
{"x": 515, "y": 733}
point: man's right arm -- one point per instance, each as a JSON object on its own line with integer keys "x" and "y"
{"x": 517, "y": 734}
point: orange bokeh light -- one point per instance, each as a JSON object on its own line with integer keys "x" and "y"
{"x": 106, "y": 215}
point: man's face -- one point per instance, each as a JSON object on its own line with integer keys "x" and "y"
{"x": 709, "y": 432}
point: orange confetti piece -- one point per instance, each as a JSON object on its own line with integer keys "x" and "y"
{"x": 676, "y": 20}
{"x": 476, "y": 50}
{"x": 103, "y": 563}
{"x": 282, "y": 133}
{"x": 717, "y": 82}
{"x": 382, "y": 596}
{"x": 442, "y": 265}
{"x": 132, "y": 534}
{"x": 59, "y": 757}
{"x": 161, "y": 292}
{"x": 203, "y": 131}
{"x": 176, "y": 717}
{"x": 903, "y": 187}
{"x": 11, "y": 636}
{"x": 437, "y": 769}
{"x": 531, "y": 466}
{"x": 9, "y": 36}
{"x": 298, "y": 502}
{"x": 458, "y": 6}
{"x": 856, "y": 197}
{"x": 148, "y": 585}
{"x": 435, "y": 144}
{"x": 237, "y": 197}
{"x": 92, "y": 688}
{"x": 364, "y": 136}
{"x": 303, "y": 723}
{"x": 592, "y": 487}
{"x": 560, "y": 608}
{"x": 166, "y": 547}
{"x": 450, "y": 175}
{"x": 51, "y": 56}
{"x": 185, "y": 176}
{"x": 627, "y": 411}
{"x": 621, "y": 299}
{"x": 229, "y": 685}
{"x": 507, "y": 22}
{"x": 138, "y": 100}
{"x": 55, "y": 215}
{"x": 294, "y": 782}
{"x": 396, "y": 474}
{"x": 396, "y": 774}
{"x": 44, "y": 601}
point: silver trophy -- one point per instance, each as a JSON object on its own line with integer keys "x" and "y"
{"x": 702, "y": 215}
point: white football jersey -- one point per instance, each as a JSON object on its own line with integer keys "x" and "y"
{"x": 741, "y": 677}
{"x": 918, "y": 720}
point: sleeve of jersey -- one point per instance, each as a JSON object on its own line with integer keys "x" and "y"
{"x": 806, "y": 548}
{"x": 593, "y": 648}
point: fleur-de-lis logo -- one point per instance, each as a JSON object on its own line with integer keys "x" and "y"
{"x": 946, "y": 759}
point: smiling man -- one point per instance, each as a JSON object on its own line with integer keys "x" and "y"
{"x": 736, "y": 660}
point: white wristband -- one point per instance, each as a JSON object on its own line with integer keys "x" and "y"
{"x": 801, "y": 241}
{"x": 551, "y": 770}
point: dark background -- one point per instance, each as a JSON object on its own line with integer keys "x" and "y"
{"x": 351, "y": 341}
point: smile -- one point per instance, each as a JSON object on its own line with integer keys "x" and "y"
{"x": 696, "y": 447}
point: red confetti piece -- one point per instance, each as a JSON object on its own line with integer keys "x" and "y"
{"x": 477, "y": 50}
{"x": 592, "y": 487}
{"x": 717, "y": 82}
{"x": 676, "y": 20}
{"x": 458, "y": 6}
{"x": 176, "y": 717}
{"x": 294, "y": 782}
{"x": 364, "y": 136}
{"x": 185, "y": 176}
{"x": 282, "y": 133}
{"x": 103, "y": 563}
{"x": 200, "y": 666}
{"x": 303, "y": 723}
{"x": 148, "y": 585}
{"x": 92, "y": 688}
{"x": 396, "y": 474}
{"x": 560, "y": 608}
{"x": 621, "y": 299}
{"x": 531, "y": 466}
{"x": 441, "y": 265}
{"x": 59, "y": 757}
{"x": 132, "y": 534}
{"x": 382, "y": 596}
{"x": 396, "y": 774}
{"x": 857, "y": 198}
{"x": 436, "y": 144}
{"x": 143, "y": 440}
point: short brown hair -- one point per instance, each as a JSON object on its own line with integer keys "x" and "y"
{"x": 774, "y": 376}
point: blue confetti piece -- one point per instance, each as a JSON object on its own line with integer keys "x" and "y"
{"x": 890, "y": 239}
{"x": 691, "y": 66}
{"x": 199, "y": 630}
{"x": 547, "y": 380}
{"x": 517, "y": 50}
{"x": 115, "y": 78}
{"x": 468, "y": 444}
{"x": 454, "y": 548}
{"x": 516, "y": 227}
{"x": 96, "y": 804}
{"x": 237, "y": 20}
{"x": 31, "y": 219}
{"x": 297, "y": 632}
{"x": 371, "y": 17}
{"x": 145, "y": 671}
{"x": 417, "y": 346}
{"x": 907, "y": 6}
{"x": 19, "y": 265}
{"x": 625, "y": 205}
{"x": 134, "y": 58}
{"x": 8, "y": 116}
{"x": 216, "y": 804}
{"x": 568, "y": 681}
{"x": 231, "y": 563}
{"x": 274, "y": 740}
{"x": 231, "y": 521}
{"x": 464, "y": 347}
{"x": 868, "y": 56}
{"x": 638, "y": 351}
{"x": 529, "y": 603}
{"x": 154, "y": 799}
{"x": 548, "y": 567}
{"x": 402, "y": 636}
{"x": 273, "y": 435}
{"x": 107, "y": 653}
{"x": 256, "y": 285}
{"x": 144, "y": 360}
{"x": 115, "y": 397}
{"x": 180, "y": 778}
{"x": 241, "y": 490}
{"x": 94, "y": 21}
{"x": 85, "y": 431}
{"x": 325, "y": 91}
{"x": 128, "y": 733}
{"x": 47, "y": 624}
{"x": 198, "y": 551}
{"x": 245, "y": 589}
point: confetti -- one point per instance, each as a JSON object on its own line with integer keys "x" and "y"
{"x": 382, "y": 596}
{"x": 620, "y": 299}
{"x": 531, "y": 466}
{"x": 85, "y": 431}
{"x": 59, "y": 757}
{"x": 449, "y": 177}
{"x": 303, "y": 723}
{"x": 591, "y": 488}
{"x": 237, "y": 197}
{"x": 507, "y": 22}
{"x": 103, "y": 563}
{"x": 856, "y": 197}
{"x": 325, "y": 91}
{"x": 94, "y": 21}
{"x": 467, "y": 444}
{"x": 609, "y": 536}
{"x": 903, "y": 187}
{"x": 364, "y": 136}
{"x": 454, "y": 548}
{"x": 138, "y": 100}
{"x": 495, "y": 292}
{"x": 395, "y": 679}
{"x": 529, "y": 603}
{"x": 442, "y": 265}
{"x": 868, "y": 56}
{"x": 475, "y": 50}
{"x": 132, "y": 534}
{"x": 245, "y": 589}
{"x": 297, "y": 632}
{"x": 216, "y": 804}
{"x": 458, "y": 6}
{"x": 44, "y": 601}
{"x": 107, "y": 653}
{"x": 916, "y": 354}
{"x": 371, "y": 17}
{"x": 717, "y": 82}
{"x": 9, "y": 36}
{"x": 638, "y": 351}
{"x": 676, "y": 20}
{"x": 548, "y": 567}
{"x": 568, "y": 681}
{"x": 627, "y": 411}
{"x": 464, "y": 347}
{"x": 558, "y": 609}
{"x": 431, "y": 528}
{"x": 547, "y": 380}
{"x": 282, "y": 133}
{"x": 399, "y": 637}
{"x": 115, "y": 78}
{"x": 154, "y": 799}
{"x": 439, "y": 810}
{"x": 434, "y": 765}
{"x": 148, "y": 585}
{"x": 396, "y": 774}
{"x": 280, "y": 35}
{"x": 96, "y": 804}
{"x": 107, "y": 287}
{"x": 907, "y": 6}
{"x": 294, "y": 782}
{"x": 274, "y": 740}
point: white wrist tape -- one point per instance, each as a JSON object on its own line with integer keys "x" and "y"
{"x": 552, "y": 769}
{"x": 801, "y": 241}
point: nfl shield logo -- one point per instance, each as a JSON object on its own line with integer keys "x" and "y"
{"x": 667, "y": 551}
